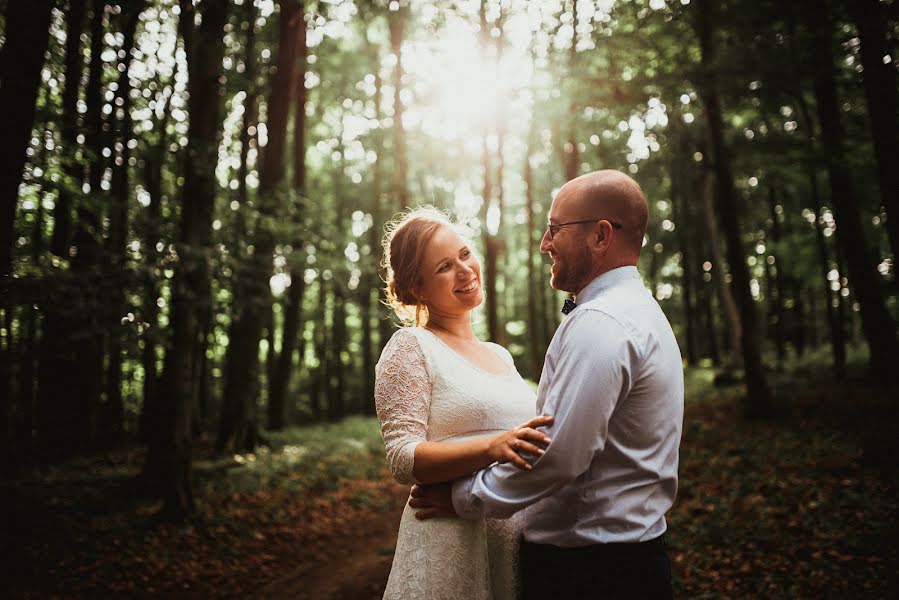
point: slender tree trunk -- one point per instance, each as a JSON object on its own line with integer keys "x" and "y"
{"x": 293, "y": 300}
{"x": 833, "y": 301}
{"x": 878, "y": 325}
{"x": 758, "y": 396}
{"x": 774, "y": 273}
{"x": 112, "y": 415}
{"x": 681, "y": 212}
{"x": 571, "y": 151}
{"x": 243, "y": 351}
{"x": 533, "y": 331}
{"x": 168, "y": 468}
{"x": 729, "y": 306}
{"x": 491, "y": 250}
{"x": 320, "y": 397}
{"x": 154, "y": 164}
{"x": 27, "y": 36}
{"x": 708, "y": 314}
{"x": 62, "y": 211}
{"x": 880, "y": 90}
{"x": 397, "y": 22}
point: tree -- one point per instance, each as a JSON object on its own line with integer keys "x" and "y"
{"x": 168, "y": 467}
{"x": 878, "y": 325}
{"x": 238, "y": 425}
{"x": 758, "y": 396}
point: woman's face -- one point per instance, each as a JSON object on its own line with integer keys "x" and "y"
{"x": 450, "y": 275}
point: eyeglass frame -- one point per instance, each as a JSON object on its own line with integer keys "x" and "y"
{"x": 553, "y": 228}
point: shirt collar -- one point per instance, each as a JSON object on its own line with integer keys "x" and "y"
{"x": 607, "y": 281}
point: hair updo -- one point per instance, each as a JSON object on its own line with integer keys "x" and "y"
{"x": 404, "y": 247}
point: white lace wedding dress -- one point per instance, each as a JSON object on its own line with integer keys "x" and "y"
{"x": 425, "y": 391}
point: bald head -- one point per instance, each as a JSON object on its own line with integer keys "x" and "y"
{"x": 613, "y": 196}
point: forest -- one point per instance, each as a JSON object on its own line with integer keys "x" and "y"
{"x": 194, "y": 195}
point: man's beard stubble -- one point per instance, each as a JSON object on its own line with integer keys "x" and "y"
{"x": 572, "y": 273}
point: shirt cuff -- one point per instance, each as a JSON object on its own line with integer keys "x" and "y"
{"x": 465, "y": 504}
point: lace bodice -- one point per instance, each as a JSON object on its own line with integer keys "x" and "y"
{"x": 425, "y": 391}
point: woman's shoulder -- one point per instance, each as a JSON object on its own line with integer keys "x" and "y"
{"x": 406, "y": 342}
{"x": 502, "y": 351}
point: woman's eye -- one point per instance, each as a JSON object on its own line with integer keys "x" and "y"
{"x": 466, "y": 253}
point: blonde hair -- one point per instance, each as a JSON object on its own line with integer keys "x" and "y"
{"x": 404, "y": 243}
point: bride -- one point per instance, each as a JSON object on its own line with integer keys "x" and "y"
{"x": 449, "y": 405}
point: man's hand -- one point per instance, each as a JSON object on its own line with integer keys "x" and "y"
{"x": 434, "y": 500}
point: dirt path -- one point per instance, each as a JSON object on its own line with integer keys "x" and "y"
{"x": 350, "y": 563}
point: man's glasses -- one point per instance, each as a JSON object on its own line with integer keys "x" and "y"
{"x": 553, "y": 228}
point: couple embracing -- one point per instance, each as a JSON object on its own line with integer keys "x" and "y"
{"x": 569, "y": 503}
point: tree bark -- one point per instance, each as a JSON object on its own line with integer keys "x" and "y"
{"x": 725, "y": 295}
{"x": 775, "y": 276}
{"x": 154, "y": 163}
{"x": 255, "y": 295}
{"x": 880, "y": 91}
{"x": 74, "y": 65}
{"x": 571, "y": 152}
{"x": 27, "y": 37}
{"x": 758, "y": 396}
{"x": 397, "y": 22}
{"x": 878, "y": 325}
{"x": 293, "y": 300}
{"x": 111, "y": 426}
{"x": 168, "y": 466}
{"x": 682, "y": 218}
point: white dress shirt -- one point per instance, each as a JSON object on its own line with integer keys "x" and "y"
{"x": 613, "y": 380}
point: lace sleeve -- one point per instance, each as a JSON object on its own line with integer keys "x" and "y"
{"x": 402, "y": 400}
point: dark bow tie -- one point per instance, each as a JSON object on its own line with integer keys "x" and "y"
{"x": 568, "y": 306}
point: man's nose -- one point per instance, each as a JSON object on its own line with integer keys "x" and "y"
{"x": 545, "y": 242}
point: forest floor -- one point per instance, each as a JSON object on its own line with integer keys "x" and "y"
{"x": 801, "y": 505}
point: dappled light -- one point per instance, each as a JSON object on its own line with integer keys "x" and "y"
{"x": 193, "y": 282}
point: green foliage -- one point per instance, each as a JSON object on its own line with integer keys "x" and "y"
{"x": 305, "y": 460}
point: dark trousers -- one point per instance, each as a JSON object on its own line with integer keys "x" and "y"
{"x": 621, "y": 571}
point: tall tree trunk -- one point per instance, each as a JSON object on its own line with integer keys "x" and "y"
{"x": 111, "y": 426}
{"x": 319, "y": 398}
{"x": 878, "y": 325}
{"x": 775, "y": 276}
{"x": 27, "y": 30}
{"x": 833, "y": 301}
{"x": 725, "y": 295}
{"x": 880, "y": 90}
{"x": 758, "y": 396}
{"x": 532, "y": 254}
{"x": 682, "y": 217}
{"x": 154, "y": 163}
{"x": 168, "y": 466}
{"x": 571, "y": 150}
{"x": 62, "y": 211}
{"x": 491, "y": 244}
{"x": 293, "y": 299}
{"x": 397, "y": 22}
{"x": 243, "y": 352}
{"x": 69, "y": 378}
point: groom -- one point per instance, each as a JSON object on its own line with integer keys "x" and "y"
{"x": 594, "y": 504}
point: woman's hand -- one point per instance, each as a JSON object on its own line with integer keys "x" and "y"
{"x": 524, "y": 439}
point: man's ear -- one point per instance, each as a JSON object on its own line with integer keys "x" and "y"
{"x": 603, "y": 235}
